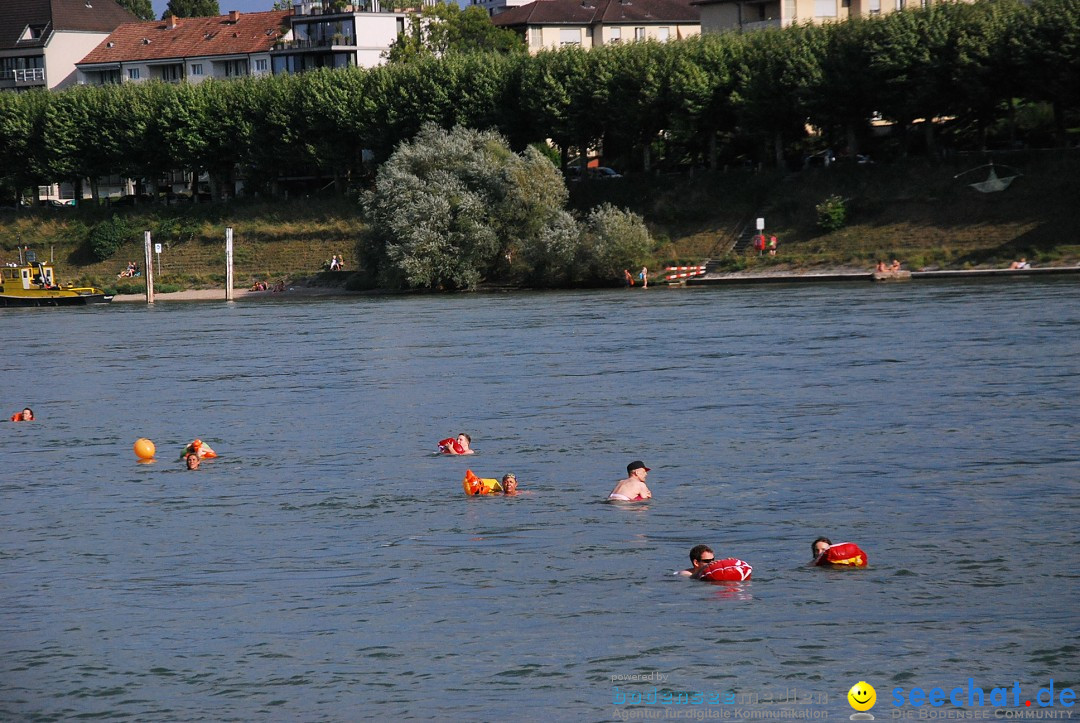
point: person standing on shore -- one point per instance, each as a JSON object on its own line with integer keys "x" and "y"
{"x": 644, "y": 276}
{"x": 628, "y": 278}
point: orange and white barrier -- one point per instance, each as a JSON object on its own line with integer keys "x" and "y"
{"x": 684, "y": 272}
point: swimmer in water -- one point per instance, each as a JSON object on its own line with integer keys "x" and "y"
{"x": 633, "y": 488}
{"x": 459, "y": 446}
{"x": 509, "y": 485}
{"x": 701, "y": 556}
{"x": 26, "y": 415}
{"x": 192, "y": 461}
{"x": 819, "y": 547}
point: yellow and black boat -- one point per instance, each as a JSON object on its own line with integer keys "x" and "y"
{"x": 33, "y": 283}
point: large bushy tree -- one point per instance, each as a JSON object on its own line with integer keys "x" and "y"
{"x": 449, "y": 205}
{"x": 444, "y": 29}
{"x": 142, "y": 9}
{"x": 192, "y": 9}
{"x": 451, "y": 209}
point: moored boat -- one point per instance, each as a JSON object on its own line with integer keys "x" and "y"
{"x": 33, "y": 283}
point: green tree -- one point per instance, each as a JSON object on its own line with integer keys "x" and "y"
{"x": 779, "y": 71}
{"x": 1046, "y": 42}
{"x": 84, "y": 135}
{"x": 555, "y": 95}
{"x": 142, "y": 9}
{"x": 703, "y": 75}
{"x": 191, "y": 9}
{"x": 641, "y": 80}
{"x": 846, "y": 93}
{"x": 450, "y": 208}
{"x": 22, "y": 119}
{"x": 444, "y": 28}
{"x": 615, "y": 239}
{"x": 915, "y": 53}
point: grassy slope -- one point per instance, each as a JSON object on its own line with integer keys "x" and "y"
{"x": 915, "y": 212}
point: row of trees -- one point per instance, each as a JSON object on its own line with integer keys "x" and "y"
{"x": 682, "y": 102}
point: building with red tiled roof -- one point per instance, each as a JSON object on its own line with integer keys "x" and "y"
{"x": 591, "y": 23}
{"x": 187, "y": 49}
{"x": 41, "y": 40}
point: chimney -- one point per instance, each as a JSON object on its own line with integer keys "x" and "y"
{"x": 172, "y": 22}
{"x": 234, "y": 15}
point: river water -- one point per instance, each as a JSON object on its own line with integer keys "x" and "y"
{"x": 328, "y": 567}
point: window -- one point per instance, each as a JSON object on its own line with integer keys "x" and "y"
{"x": 260, "y": 65}
{"x": 536, "y": 37}
{"x": 569, "y": 36}
{"x": 196, "y": 68}
{"x": 615, "y": 36}
{"x": 639, "y": 33}
{"x": 133, "y": 73}
{"x": 662, "y": 34}
{"x": 874, "y": 7}
{"x": 172, "y": 73}
{"x": 824, "y": 8}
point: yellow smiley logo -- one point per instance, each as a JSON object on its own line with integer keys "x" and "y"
{"x": 862, "y": 696}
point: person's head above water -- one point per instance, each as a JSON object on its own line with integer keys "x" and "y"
{"x": 464, "y": 440}
{"x": 701, "y": 555}
{"x": 192, "y": 461}
{"x": 637, "y": 469}
{"x": 27, "y": 414}
{"x": 820, "y": 545}
{"x": 509, "y": 484}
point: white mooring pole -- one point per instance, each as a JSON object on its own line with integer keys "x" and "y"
{"x": 228, "y": 265}
{"x": 148, "y": 268}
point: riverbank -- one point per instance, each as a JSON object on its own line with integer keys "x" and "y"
{"x": 913, "y": 211}
{"x": 290, "y": 292}
{"x": 848, "y": 274}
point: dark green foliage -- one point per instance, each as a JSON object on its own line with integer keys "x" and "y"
{"x": 108, "y": 236}
{"x": 831, "y": 213}
{"x": 191, "y": 9}
{"x": 445, "y": 29}
{"x": 142, "y": 9}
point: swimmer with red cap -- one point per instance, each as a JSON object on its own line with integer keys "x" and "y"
{"x": 633, "y": 488}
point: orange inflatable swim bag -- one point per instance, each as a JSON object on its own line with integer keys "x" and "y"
{"x": 846, "y": 553}
{"x": 479, "y": 485}
{"x": 730, "y": 568}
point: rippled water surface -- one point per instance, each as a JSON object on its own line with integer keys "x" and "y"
{"x": 328, "y": 567}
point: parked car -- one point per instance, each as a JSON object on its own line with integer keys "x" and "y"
{"x": 595, "y": 173}
{"x": 603, "y": 172}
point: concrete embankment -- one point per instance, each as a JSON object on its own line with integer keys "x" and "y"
{"x": 791, "y": 277}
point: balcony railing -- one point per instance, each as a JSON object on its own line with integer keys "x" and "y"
{"x": 343, "y": 41}
{"x": 24, "y": 76}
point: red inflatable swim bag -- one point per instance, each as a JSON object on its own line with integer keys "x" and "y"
{"x": 729, "y": 568}
{"x": 445, "y": 445}
{"x": 846, "y": 553}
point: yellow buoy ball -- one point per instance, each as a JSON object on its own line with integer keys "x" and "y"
{"x": 144, "y": 448}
